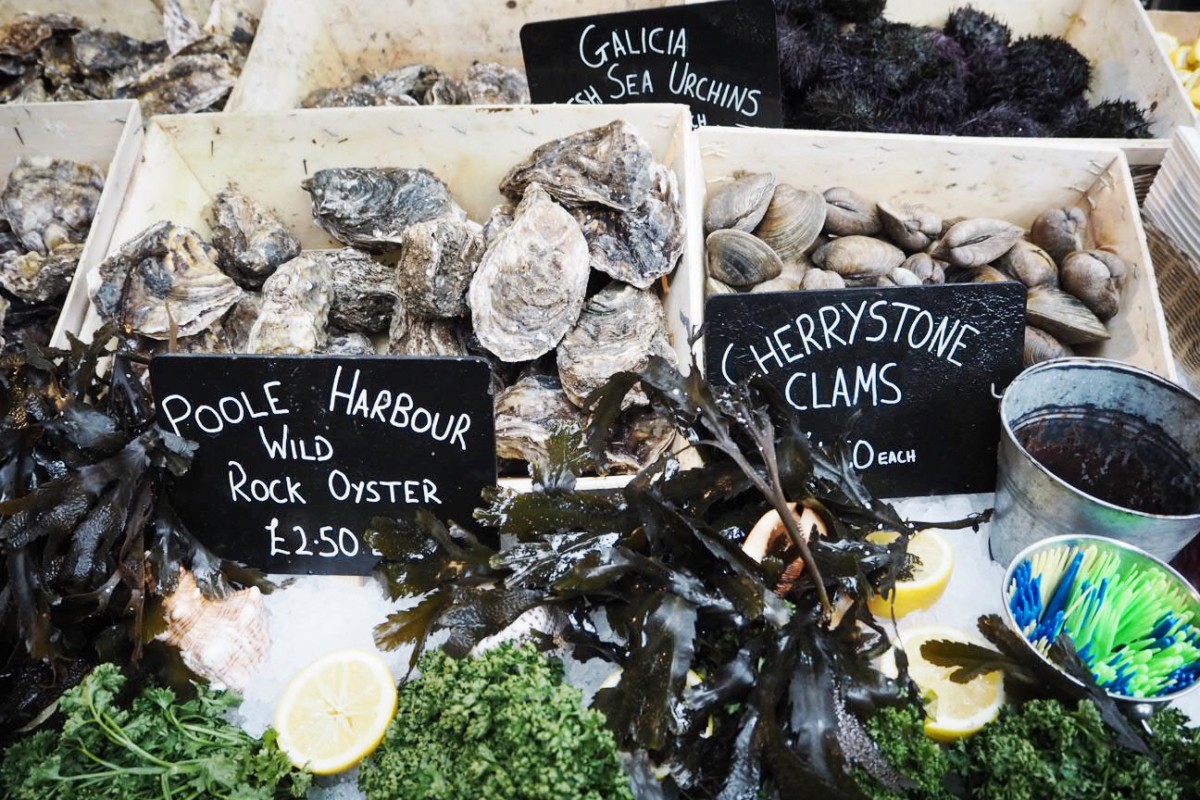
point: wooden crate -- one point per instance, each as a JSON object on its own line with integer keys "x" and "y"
{"x": 1008, "y": 179}
{"x": 105, "y": 133}
{"x": 310, "y": 44}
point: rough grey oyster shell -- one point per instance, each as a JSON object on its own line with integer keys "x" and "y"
{"x": 445, "y": 92}
{"x": 437, "y": 261}
{"x": 360, "y": 95}
{"x": 164, "y": 283}
{"x": 231, "y": 18}
{"x": 184, "y": 84}
{"x": 608, "y": 166}
{"x": 489, "y": 84}
{"x": 369, "y": 208}
{"x": 528, "y": 412}
{"x": 638, "y": 438}
{"x": 501, "y": 218}
{"x": 349, "y": 344}
{"x": 638, "y": 246}
{"x": 99, "y": 51}
{"x": 26, "y": 33}
{"x": 412, "y": 335}
{"x": 240, "y": 320}
{"x": 3, "y": 312}
{"x": 406, "y": 85}
{"x": 364, "y": 291}
{"x": 295, "y": 308}
{"x": 179, "y": 27}
{"x": 530, "y": 286}
{"x": 620, "y": 330}
{"x": 251, "y": 238}
{"x": 50, "y": 201}
{"x": 34, "y": 278}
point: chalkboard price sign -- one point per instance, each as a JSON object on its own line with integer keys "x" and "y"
{"x": 297, "y": 453}
{"x": 719, "y": 58}
{"x": 922, "y": 367}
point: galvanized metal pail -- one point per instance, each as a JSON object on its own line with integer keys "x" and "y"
{"x": 1092, "y": 446}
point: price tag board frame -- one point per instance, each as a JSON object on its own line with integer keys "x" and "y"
{"x": 907, "y": 378}
{"x": 297, "y": 453}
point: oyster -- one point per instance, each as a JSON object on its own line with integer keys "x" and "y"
{"x": 25, "y": 34}
{"x": 1096, "y": 278}
{"x": 251, "y": 238}
{"x": 529, "y": 288}
{"x": 638, "y": 438}
{"x": 620, "y": 330}
{"x": 370, "y": 207}
{"x": 349, "y": 344}
{"x": 858, "y": 257}
{"x": 527, "y": 413}
{"x": 438, "y": 258}
{"x": 740, "y": 204}
{"x": 639, "y": 246}
{"x": 179, "y": 27}
{"x": 231, "y": 18}
{"x": 607, "y": 166}
{"x": 363, "y": 291}
{"x": 48, "y": 202}
{"x": 849, "y": 214}
{"x": 3, "y": 328}
{"x": 184, "y": 84}
{"x": 240, "y": 320}
{"x": 1063, "y": 316}
{"x": 501, "y": 218}
{"x": 406, "y": 85}
{"x": 98, "y": 51}
{"x": 295, "y": 308}
{"x": 491, "y": 84}
{"x": 412, "y": 335}
{"x": 360, "y": 95}
{"x": 163, "y": 283}
{"x": 444, "y": 92}
{"x": 740, "y": 259}
{"x": 792, "y": 222}
{"x": 222, "y": 640}
{"x": 34, "y": 278}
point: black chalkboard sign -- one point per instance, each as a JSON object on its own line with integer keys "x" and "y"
{"x": 719, "y": 58}
{"x": 297, "y": 453}
{"x": 925, "y": 366}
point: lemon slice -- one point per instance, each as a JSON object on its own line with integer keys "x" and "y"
{"x": 336, "y": 711}
{"x": 1166, "y": 41}
{"x": 954, "y": 710}
{"x": 929, "y": 577}
{"x": 1180, "y": 57}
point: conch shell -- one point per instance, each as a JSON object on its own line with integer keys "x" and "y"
{"x": 223, "y": 640}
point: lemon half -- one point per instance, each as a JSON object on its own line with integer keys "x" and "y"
{"x": 929, "y": 577}
{"x": 954, "y": 709}
{"x": 336, "y": 711}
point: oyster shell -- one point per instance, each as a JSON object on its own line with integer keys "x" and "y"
{"x": 369, "y": 208}
{"x": 1063, "y": 316}
{"x": 740, "y": 259}
{"x": 529, "y": 288}
{"x": 295, "y": 308}
{"x": 363, "y": 291}
{"x": 251, "y": 238}
{"x": 3, "y": 328}
{"x": 639, "y": 246}
{"x": 792, "y": 222}
{"x": 974, "y": 243}
{"x": 406, "y": 85}
{"x": 25, "y": 34}
{"x": 491, "y": 84}
{"x": 412, "y": 335}
{"x": 1096, "y": 278}
{"x": 911, "y": 226}
{"x": 222, "y": 640}
{"x": 849, "y": 213}
{"x": 438, "y": 258}
{"x": 620, "y": 330}
{"x": 444, "y": 92}
{"x": 1059, "y": 231}
{"x": 240, "y": 320}
{"x": 232, "y": 18}
{"x": 184, "y": 84}
{"x": 34, "y": 278}
{"x": 360, "y": 95}
{"x": 608, "y": 166}
{"x": 638, "y": 438}
{"x": 350, "y": 344}
{"x": 501, "y": 218}
{"x": 858, "y": 257}
{"x": 1029, "y": 264}
{"x": 163, "y": 283}
{"x": 740, "y": 204}
{"x": 98, "y": 51}
{"x": 179, "y": 27}
{"x": 527, "y": 413}
{"x": 1041, "y": 346}
{"x": 50, "y": 201}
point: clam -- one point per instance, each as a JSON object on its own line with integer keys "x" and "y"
{"x": 988, "y": 275}
{"x": 1041, "y": 346}
{"x": 927, "y": 268}
{"x": 792, "y": 222}
{"x": 739, "y": 204}
{"x": 816, "y": 279}
{"x": 1096, "y": 278}
{"x": 1029, "y": 264}
{"x": 899, "y": 277}
{"x": 911, "y": 226}
{"x": 1059, "y": 231}
{"x": 849, "y": 214}
{"x": 783, "y": 283}
{"x": 1063, "y": 316}
{"x": 712, "y": 286}
{"x": 740, "y": 259}
{"x": 858, "y": 257}
{"x": 973, "y": 243}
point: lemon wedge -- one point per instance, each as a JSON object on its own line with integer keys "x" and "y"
{"x": 929, "y": 577}
{"x": 1166, "y": 41}
{"x": 1180, "y": 57}
{"x": 954, "y": 710}
{"x": 336, "y": 711}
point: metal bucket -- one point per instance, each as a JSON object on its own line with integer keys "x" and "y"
{"x": 1091, "y": 446}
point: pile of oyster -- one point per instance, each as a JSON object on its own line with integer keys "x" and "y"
{"x": 483, "y": 84}
{"x": 765, "y": 236}
{"x": 51, "y": 57}
{"x": 46, "y": 211}
{"x": 556, "y": 291}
